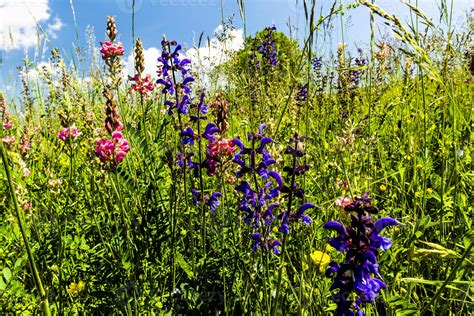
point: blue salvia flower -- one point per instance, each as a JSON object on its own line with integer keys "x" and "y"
{"x": 180, "y": 159}
{"x": 360, "y": 241}
{"x": 267, "y": 47}
{"x": 293, "y": 189}
{"x": 266, "y": 243}
{"x": 188, "y": 136}
{"x": 256, "y": 202}
{"x": 170, "y": 66}
{"x": 196, "y": 196}
{"x": 294, "y": 217}
{"x": 317, "y": 63}
{"x": 210, "y": 129}
{"x": 194, "y": 167}
{"x": 302, "y": 94}
{"x": 213, "y": 201}
{"x": 202, "y": 106}
{"x": 258, "y": 148}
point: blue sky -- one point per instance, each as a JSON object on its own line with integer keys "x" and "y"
{"x": 182, "y": 20}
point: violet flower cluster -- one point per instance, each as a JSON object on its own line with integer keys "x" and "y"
{"x": 356, "y": 73}
{"x": 170, "y": 67}
{"x": 189, "y": 138}
{"x": 267, "y": 47}
{"x": 294, "y": 190}
{"x": 256, "y": 201}
{"x": 317, "y": 63}
{"x": 302, "y": 94}
{"x": 360, "y": 241}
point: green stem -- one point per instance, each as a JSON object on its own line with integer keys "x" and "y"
{"x": 44, "y": 298}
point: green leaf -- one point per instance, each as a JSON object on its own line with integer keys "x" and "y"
{"x": 184, "y": 265}
{"x": 3, "y": 285}
{"x": 7, "y": 274}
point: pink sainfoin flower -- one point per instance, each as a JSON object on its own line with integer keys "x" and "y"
{"x": 113, "y": 149}
{"x": 26, "y": 172}
{"x": 8, "y": 140}
{"x": 7, "y": 125}
{"x": 220, "y": 147}
{"x": 69, "y": 132}
{"x": 111, "y": 50}
{"x": 24, "y": 146}
{"x": 343, "y": 201}
{"x": 143, "y": 85}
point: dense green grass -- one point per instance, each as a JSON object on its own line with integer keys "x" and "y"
{"x": 127, "y": 239}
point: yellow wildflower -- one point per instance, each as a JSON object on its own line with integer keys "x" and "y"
{"x": 304, "y": 266}
{"x": 383, "y": 187}
{"x": 75, "y": 288}
{"x": 320, "y": 259}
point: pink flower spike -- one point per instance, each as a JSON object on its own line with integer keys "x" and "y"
{"x": 7, "y": 125}
{"x": 119, "y": 126}
{"x": 69, "y": 132}
{"x": 8, "y": 140}
{"x": 63, "y": 134}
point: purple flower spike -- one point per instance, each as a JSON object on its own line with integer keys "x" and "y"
{"x": 213, "y": 201}
{"x": 257, "y": 240}
{"x": 360, "y": 242}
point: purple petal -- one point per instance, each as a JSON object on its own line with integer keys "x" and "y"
{"x": 384, "y": 222}
{"x": 239, "y": 143}
{"x": 264, "y": 141}
{"x": 306, "y": 219}
{"x": 334, "y": 225}
{"x": 304, "y": 207}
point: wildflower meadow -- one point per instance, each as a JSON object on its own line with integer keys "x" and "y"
{"x": 280, "y": 180}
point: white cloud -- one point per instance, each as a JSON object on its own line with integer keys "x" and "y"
{"x": 54, "y": 27}
{"x": 18, "y": 23}
{"x": 217, "y": 50}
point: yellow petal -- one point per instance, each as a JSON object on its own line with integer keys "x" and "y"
{"x": 320, "y": 258}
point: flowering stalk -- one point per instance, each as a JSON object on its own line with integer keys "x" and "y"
{"x": 39, "y": 285}
{"x": 267, "y": 47}
{"x": 170, "y": 66}
{"x": 256, "y": 201}
{"x": 360, "y": 241}
{"x": 111, "y": 52}
{"x": 292, "y": 191}
{"x": 7, "y": 123}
